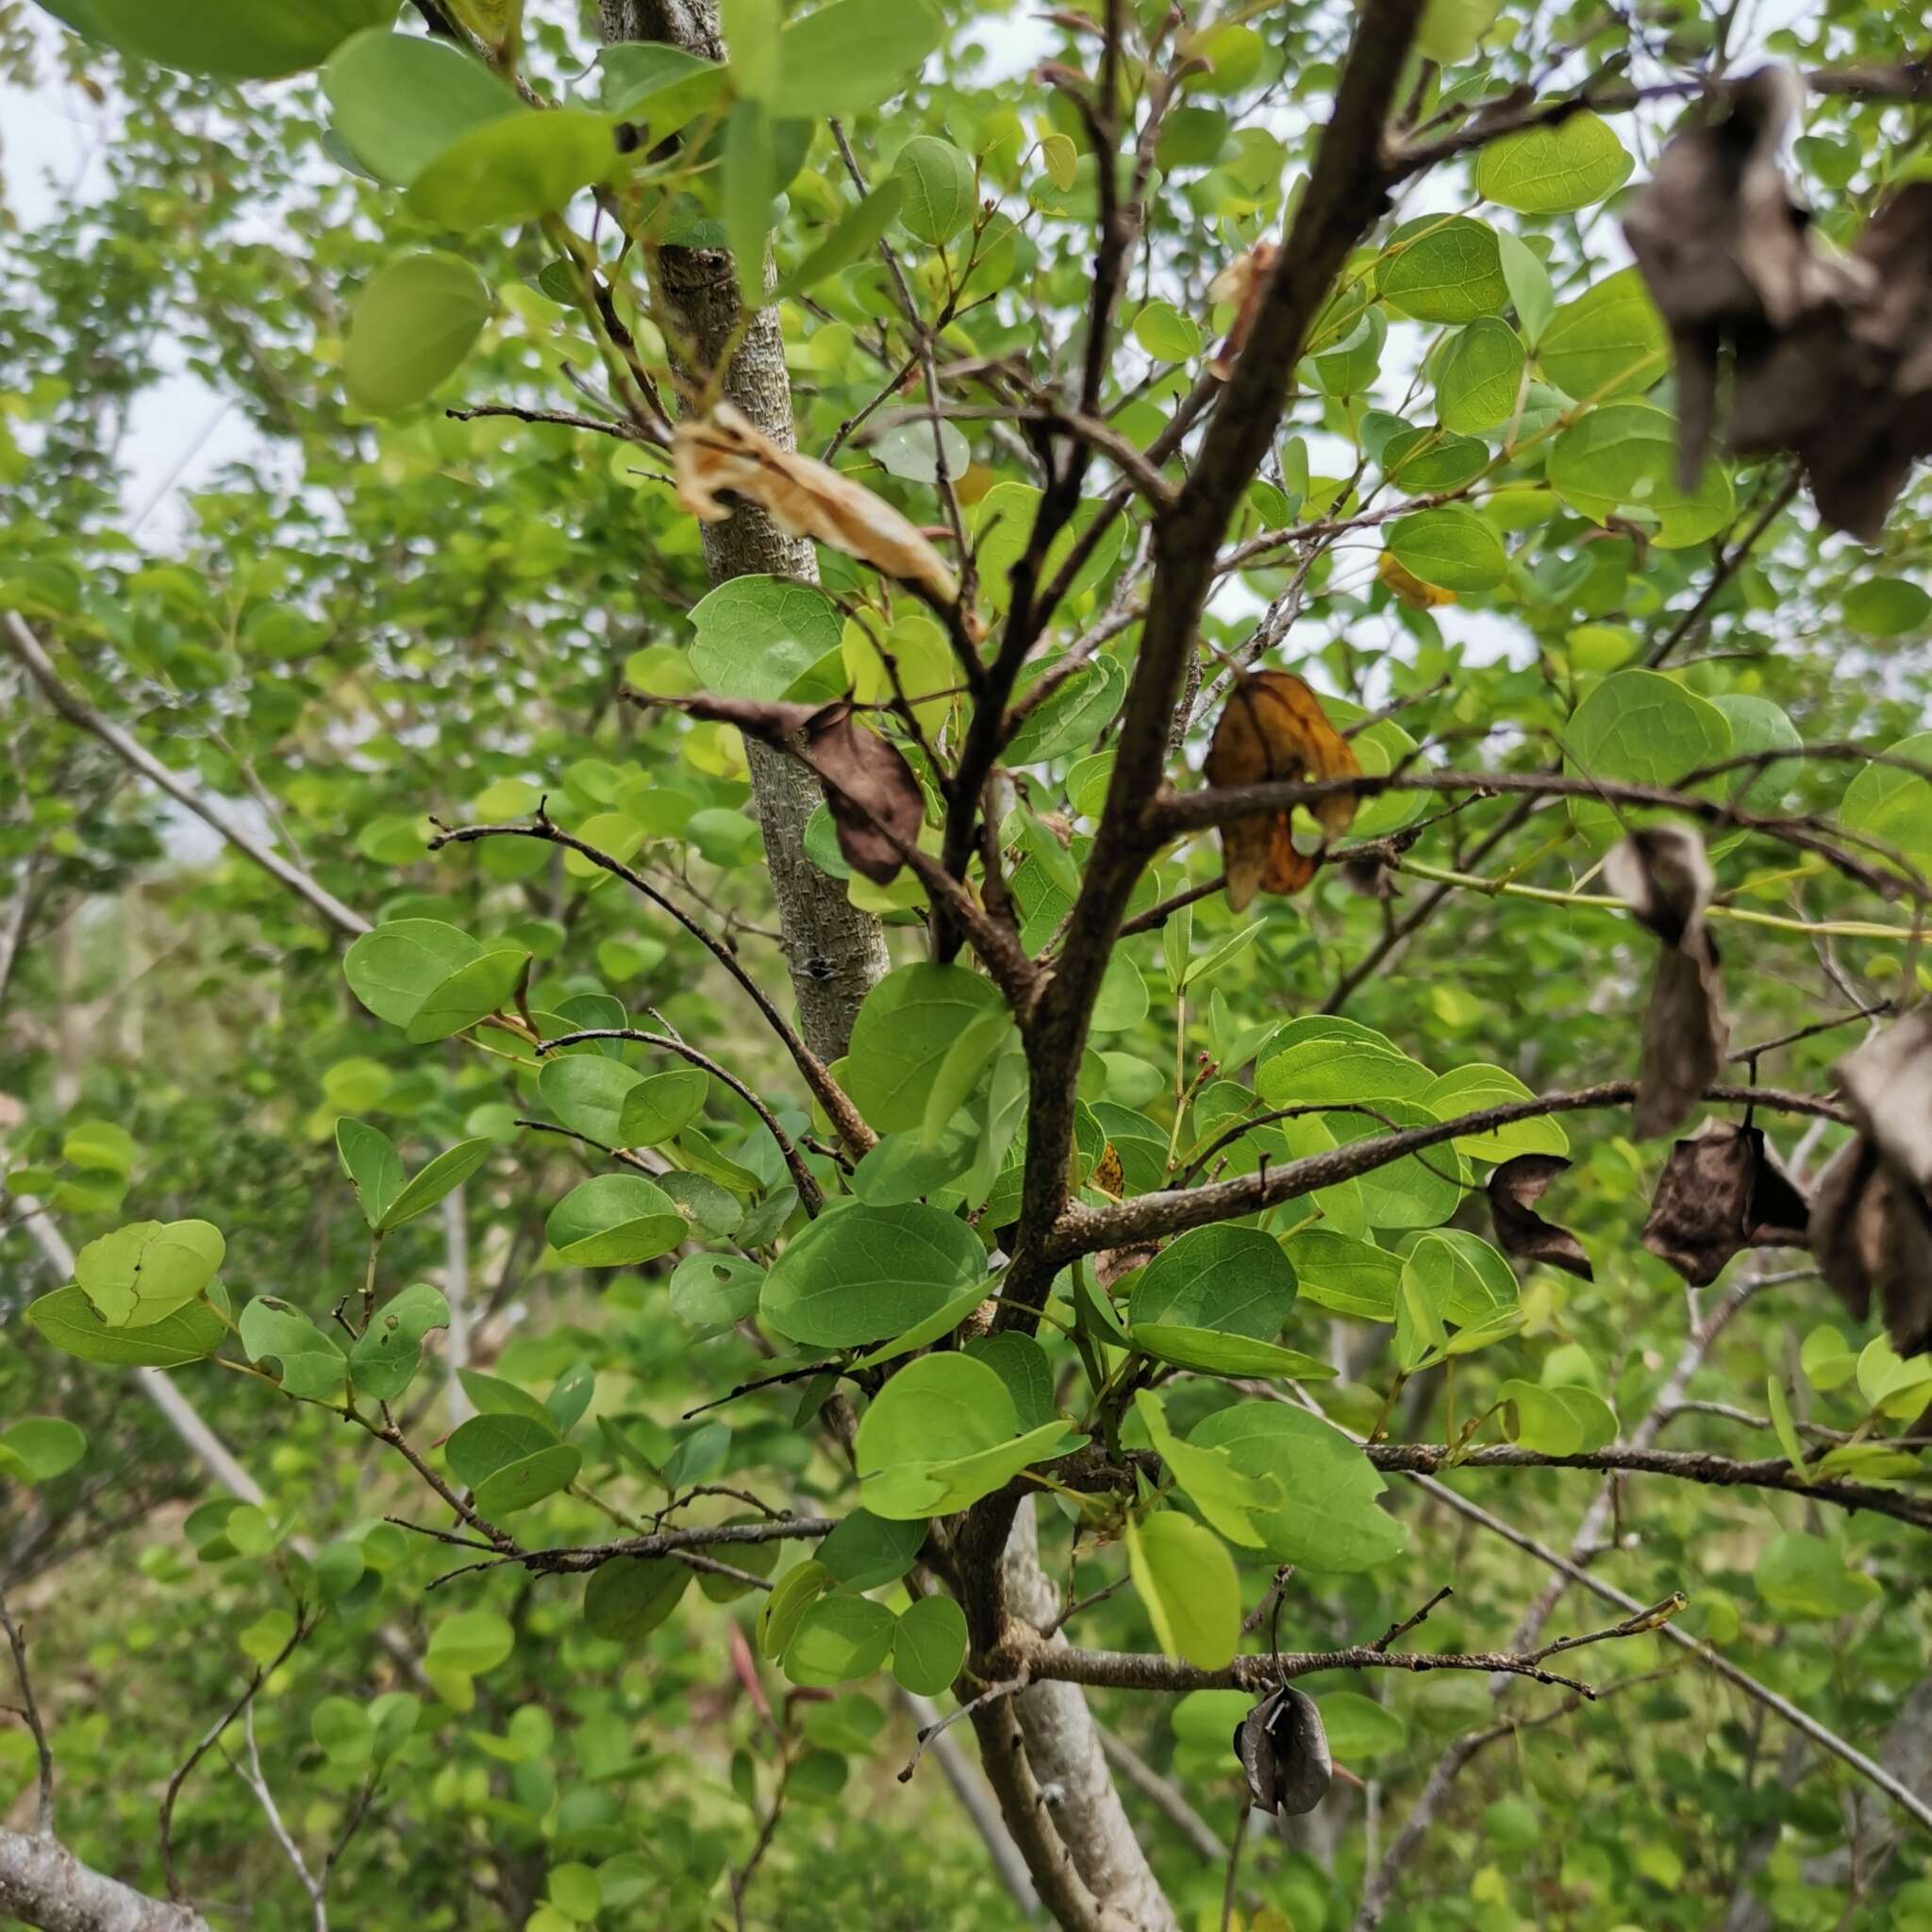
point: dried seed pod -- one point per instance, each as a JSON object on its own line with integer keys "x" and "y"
{"x": 1520, "y": 1231}
{"x": 1274, "y": 728}
{"x": 1283, "y": 1751}
{"x": 1722, "y": 1189}
{"x": 1664, "y": 876}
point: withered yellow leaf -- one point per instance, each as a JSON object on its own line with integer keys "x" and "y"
{"x": 1273, "y": 729}
{"x": 1409, "y": 587}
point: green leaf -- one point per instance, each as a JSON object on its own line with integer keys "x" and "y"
{"x": 1556, "y": 1421}
{"x": 514, "y": 170}
{"x": 511, "y": 1462}
{"x": 711, "y": 1291}
{"x": 492, "y": 1396}
{"x": 613, "y": 1221}
{"x": 587, "y": 1093}
{"x": 751, "y": 38}
{"x": 929, "y": 1645}
{"x": 1443, "y": 268}
{"x": 971, "y": 1051}
{"x": 1473, "y": 1089}
{"x": 396, "y": 968}
{"x": 1620, "y": 461}
{"x": 757, "y": 636}
{"x": 930, "y": 1328}
{"x": 866, "y": 1550}
{"x": 936, "y": 187}
{"x": 1359, "y": 1727}
{"x": 1829, "y": 1361}
{"x": 442, "y": 1175}
{"x": 1337, "y": 1272}
{"x": 1893, "y": 805}
{"x": 413, "y": 325}
{"x": 1451, "y": 548}
{"x": 1470, "y": 1280}
{"x": 238, "y": 39}
{"x": 746, "y": 196}
{"x": 940, "y": 1435}
{"x": 787, "y": 1602}
{"x": 904, "y": 1030}
{"x": 1609, "y": 342}
{"x": 1757, "y": 726}
{"x": 470, "y": 1643}
{"x": 1002, "y": 524}
{"x": 839, "y": 1639}
{"x": 858, "y": 1274}
{"x": 627, "y": 1598}
{"x": 311, "y": 1366}
{"x": 1477, "y": 374}
{"x": 1804, "y": 1579}
{"x": 1642, "y": 728}
{"x": 470, "y": 993}
{"x": 386, "y": 1355}
{"x": 68, "y": 1320}
{"x": 1166, "y": 334}
{"x": 102, "y": 1146}
{"x": 1330, "y": 1520}
{"x": 1228, "y": 1499}
{"x": 856, "y": 233}
{"x": 1554, "y": 170}
{"x": 851, "y": 55}
{"x": 1186, "y": 1580}
{"x": 665, "y": 88}
{"x": 374, "y": 1168}
{"x": 1451, "y": 30}
{"x": 40, "y": 1448}
{"x": 1886, "y": 607}
{"x": 1786, "y": 1427}
{"x": 1236, "y": 1279}
{"x": 400, "y": 99}
{"x": 145, "y": 1271}
{"x": 1213, "y": 1352}
{"x": 1530, "y": 294}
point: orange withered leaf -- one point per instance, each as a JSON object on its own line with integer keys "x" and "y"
{"x": 1242, "y": 283}
{"x": 1403, "y": 584}
{"x": 1274, "y": 728}
{"x": 724, "y": 451}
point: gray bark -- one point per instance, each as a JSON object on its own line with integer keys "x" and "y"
{"x": 836, "y": 953}
{"x": 42, "y": 1884}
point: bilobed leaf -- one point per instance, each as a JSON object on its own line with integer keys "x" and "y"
{"x": 856, "y": 234}
{"x": 613, "y": 1221}
{"x": 1805, "y": 1579}
{"x": 661, "y": 1105}
{"x": 143, "y": 1272}
{"x": 664, "y": 87}
{"x": 909, "y": 1025}
{"x": 394, "y": 969}
{"x": 1236, "y": 1280}
{"x": 1608, "y": 342}
{"x": 629, "y": 1597}
{"x": 68, "y": 1320}
{"x": 38, "y": 1448}
{"x": 400, "y": 99}
{"x": 1645, "y": 729}
{"x": 1451, "y": 30}
{"x": 1339, "y": 1272}
{"x": 1893, "y": 803}
{"x": 839, "y": 1639}
{"x": 757, "y": 636}
{"x": 1474, "y": 1088}
{"x": 1556, "y": 1421}
{"x": 515, "y": 168}
{"x": 308, "y": 1363}
{"x": 470, "y": 993}
{"x": 1227, "y": 1498}
{"x": 1619, "y": 461}
{"x": 1273, "y": 729}
{"x": 1553, "y": 170}
{"x": 413, "y": 323}
{"x": 1478, "y": 374}
{"x": 1186, "y": 1580}
{"x": 866, "y": 1550}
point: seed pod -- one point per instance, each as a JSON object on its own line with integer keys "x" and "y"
{"x": 1283, "y": 1751}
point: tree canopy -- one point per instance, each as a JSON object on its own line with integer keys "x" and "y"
{"x": 986, "y": 987}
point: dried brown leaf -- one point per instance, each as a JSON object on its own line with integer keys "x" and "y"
{"x": 1722, "y": 1189}
{"x": 1272, "y": 727}
{"x": 1520, "y": 1231}
{"x": 1663, "y": 874}
{"x": 1282, "y": 1747}
{"x": 1872, "y": 1222}
{"x": 724, "y": 452}
{"x": 1112, "y": 1265}
{"x": 1242, "y": 282}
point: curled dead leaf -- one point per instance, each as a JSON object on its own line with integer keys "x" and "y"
{"x": 1722, "y": 1189}
{"x": 1663, "y": 874}
{"x": 870, "y": 790}
{"x": 1242, "y": 283}
{"x": 1871, "y": 1217}
{"x": 725, "y": 452}
{"x": 1282, "y": 1747}
{"x": 1112, "y": 1265}
{"x": 1272, "y": 727}
{"x": 1520, "y": 1231}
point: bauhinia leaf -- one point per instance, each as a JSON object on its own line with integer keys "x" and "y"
{"x": 1520, "y": 1231}
{"x": 1722, "y": 1189}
